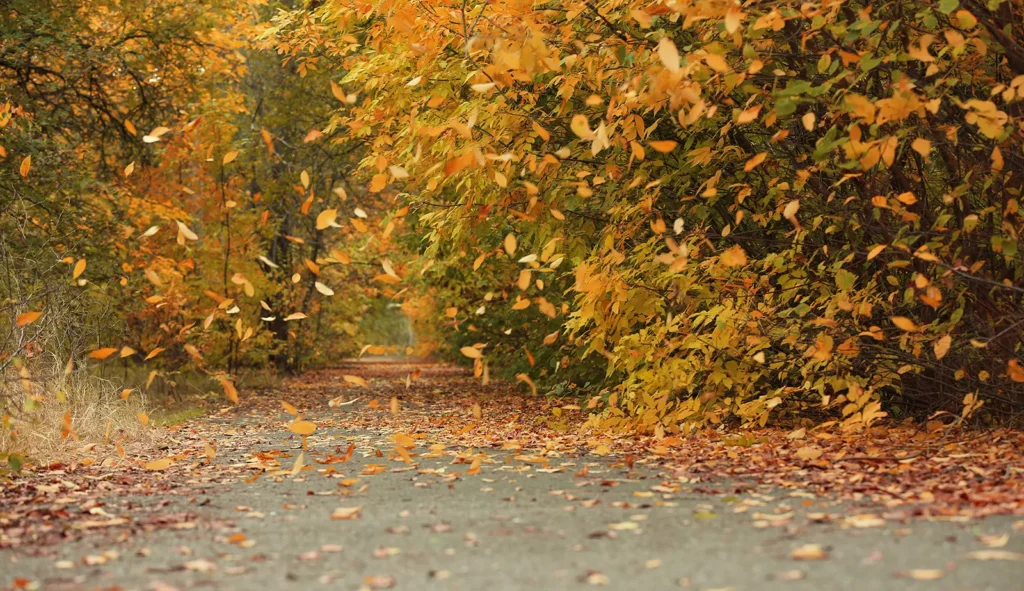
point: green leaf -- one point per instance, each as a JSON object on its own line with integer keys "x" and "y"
{"x": 948, "y": 6}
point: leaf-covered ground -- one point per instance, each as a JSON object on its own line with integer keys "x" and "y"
{"x": 417, "y": 477}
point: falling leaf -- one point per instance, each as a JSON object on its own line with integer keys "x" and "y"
{"x": 143, "y": 418}
{"x": 294, "y": 316}
{"x": 929, "y": 574}
{"x": 941, "y": 346}
{"x": 102, "y": 353}
{"x": 734, "y": 257}
{"x": 186, "y": 231}
{"x": 668, "y": 54}
{"x": 26, "y": 165}
{"x": 326, "y": 219}
{"x": 323, "y": 289}
{"x": 154, "y": 353}
{"x": 358, "y": 381}
{"x": 79, "y": 269}
{"x": 903, "y": 323}
{"x": 229, "y": 157}
{"x": 229, "y": 389}
{"x": 128, "y": 170}
{"x": 288, "y": 408}
{"x": 663, "y": 146}
{"x": 302, "y": 427}
{"x": 471, "y": 352}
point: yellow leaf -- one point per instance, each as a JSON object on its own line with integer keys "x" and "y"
{"x": 26, "y": 165}
{"x": 753, "y": 162}
{"x": 323, "y": 289}
{"x": 903, "y": 323}
{"x": 268, "y": 140}
{"x": 229, "y": 157}
{"x": 79, "y": 269}
{"x": 143, "y": 418}
{"x": 716, "y": 62}
{"x": 749, "y": 115}
{"x": 581, "y": 127}
{"x": 922, "y": 146}
{"x": 522, "y": 377}
{"x": 294, "y": 316}
{"x": 471, "y": 352}
{"x": 154, "y": 353}
{"x": 510, "y": 244}
{"x": 358, "y": 381}
{"x": 791, "y": 209}
{"x": 734, "y": 257}
{"x": 127, "y": 352}
{"x": 941, "y": 346}
{"x": 288, "y": 408}
{"x": 668, "y": 54}
{"x": 302, "y": 427}
{"x": 337, "y": 91}
{"x": 161, "y": 464}
{"x": 541, "y": 132}
{"x": 877, "y": 250}
{"x": 130, "y": 127}
{"x": 128, "y": 170}
{"x": 27, "y": 318}
{"x": 304, "y": 178}
{"x": 394, "y": 405}
{"x": 808, "y": 120}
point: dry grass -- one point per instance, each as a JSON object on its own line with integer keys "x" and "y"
{"x": 100, "y": 420}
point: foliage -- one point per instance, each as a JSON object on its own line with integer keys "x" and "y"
{"x": 738, "y": 208}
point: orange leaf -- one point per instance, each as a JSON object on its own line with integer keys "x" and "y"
{"x": 663, "y": 146}
{"x": 903, "y": 323}
{"x": 161, "y": 464}
{"x": 229, "y": 389}
{"x": 103, "y": 353}
{"x": 27, "y": 318}
{"x": 302, "y": 427}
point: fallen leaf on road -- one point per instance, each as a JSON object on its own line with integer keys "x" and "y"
{"x": 809, "y": 552}
{"x": 379, "y": 582}
{"x": 994, "y": 541}
{"x": 346, "y": 513}
{"x": 925, "y": 574}
{"x": 201, "y": 565}
{"x": 789, "y": 575}
{"x": 995, "y": 555}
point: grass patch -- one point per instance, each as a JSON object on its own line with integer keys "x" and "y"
{"x": 73, "y": 418}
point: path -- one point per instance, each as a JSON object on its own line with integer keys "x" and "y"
{"x": 490, "y": 499}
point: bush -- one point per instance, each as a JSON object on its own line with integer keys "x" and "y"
{"x": 755, "y": 208}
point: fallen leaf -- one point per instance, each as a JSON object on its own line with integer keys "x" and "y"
{"x": 808, "y": 552}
